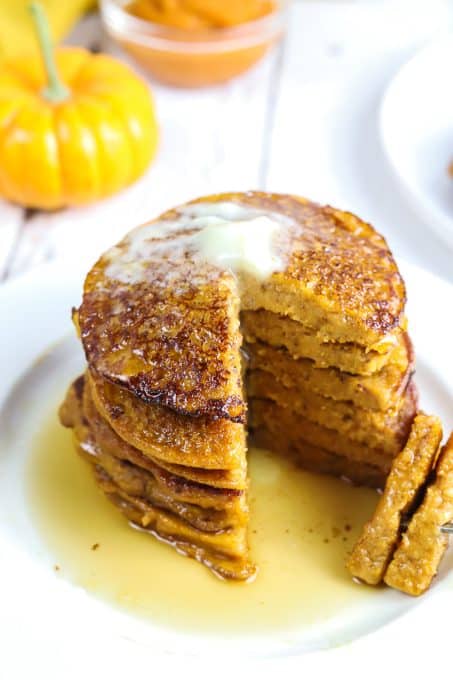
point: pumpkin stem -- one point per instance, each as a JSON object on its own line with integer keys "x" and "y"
{"x": 54, "y": 91}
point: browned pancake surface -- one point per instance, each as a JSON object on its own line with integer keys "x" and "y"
{"x": 209, "y": 524}
{"x": 167, "y": 435}
{"x": 172, "y": 337}
{"x": 107, "y": 438}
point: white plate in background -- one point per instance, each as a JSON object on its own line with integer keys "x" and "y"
{"x": 416, "y": 125}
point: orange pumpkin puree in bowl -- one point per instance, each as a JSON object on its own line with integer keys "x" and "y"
{"x": 192, "y": 43}
{"x": 195, "y": 14}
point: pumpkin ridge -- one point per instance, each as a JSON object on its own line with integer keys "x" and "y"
{"x": 3, "y": 134}
{"x": 61, "y": 173}
{"x": 118, "y": 117}
{"x": 97, "y": 175}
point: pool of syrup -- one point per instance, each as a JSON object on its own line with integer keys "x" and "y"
{"x": 301, "y": 529}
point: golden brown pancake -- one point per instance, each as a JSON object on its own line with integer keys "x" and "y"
{"x": 167, "y": 435}
{"x": 266, "y": 413}
{"x": 100, "y": 442}
{"x": 378, "y": 391}
{"x": 317, "y": 459}
{"x": 385, "y": 430}
{"x": 162, "y": 324}
{"x": 207, "y": 523}
{"x": 375, "y": 547}
{"x": 417, "y": 558}
{"x": 281, "y": 331}
{"x": 198, "y": 513}
{"x": 225, "y": 547}
{"x": 162, "y": 417}
{"x": 111, "y": 442}
{"x": 223, "y": 556}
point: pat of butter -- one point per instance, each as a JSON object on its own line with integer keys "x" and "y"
{"x": 241, "y": 245}
{"x": 225, "y": 235}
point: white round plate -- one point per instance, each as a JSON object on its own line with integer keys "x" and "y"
{"x": 41, "y": 611}
{"x": 416, "y": 125}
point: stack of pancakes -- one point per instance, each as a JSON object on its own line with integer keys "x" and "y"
{"x": 182, "y": 353}
{"x": 141, "y": 457}
{"x": 338, "y": 408}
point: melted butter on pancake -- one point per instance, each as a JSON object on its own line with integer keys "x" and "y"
{"x": 225, "y": 236}
{"x": 242, "y": 246}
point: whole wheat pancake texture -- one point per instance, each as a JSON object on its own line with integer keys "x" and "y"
{"x": 287, "y": 327}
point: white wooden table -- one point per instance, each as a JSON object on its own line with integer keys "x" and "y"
{"x": 304, "y": 121}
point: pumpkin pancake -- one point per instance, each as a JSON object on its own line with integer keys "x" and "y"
{"x": 78, "y": 413}
{"x": 160, "y": 321}
{"x": 281, "y": 331}
{"x": 167, "y": 435}
{"x": 221, "y": 553}
{"x": 109, "y": 441}
{"x": 386, "y": 430}
{"x": 317, "y": 459}
{"x": 417, "y": 558}
{"x": 268, "y": 414}
{"x": 136, "y": 481}
{"x": 376, "y": 545}
{"x": 162, "y": 415}
{"x": 378, "y": 391}
{"x": 230, "y": 543}
{"x": 207, "y": 523}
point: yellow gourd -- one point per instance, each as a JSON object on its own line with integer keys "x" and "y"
{"x": 74, "y": 128}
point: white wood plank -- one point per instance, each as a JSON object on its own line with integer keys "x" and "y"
{"x": 211, "y": 140}
{"x": 325, "y": 142}
{"x": 11, "y": 219}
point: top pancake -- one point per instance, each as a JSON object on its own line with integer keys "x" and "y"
{"x": 165, "y": 326}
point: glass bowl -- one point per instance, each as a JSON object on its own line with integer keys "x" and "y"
{"x": 193, "y": 58}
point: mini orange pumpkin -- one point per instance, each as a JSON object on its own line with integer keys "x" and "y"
{"x": 72, "y": 143}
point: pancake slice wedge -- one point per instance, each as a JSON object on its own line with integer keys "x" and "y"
{"x": 375, "y": 547}
{"x": 417, "y": 558}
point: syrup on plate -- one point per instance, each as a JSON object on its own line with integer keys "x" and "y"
{"x": 301, "y": 529}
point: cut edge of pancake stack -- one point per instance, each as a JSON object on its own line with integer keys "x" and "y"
{"x": 328, "y": 371}
{"x": 330, "y": 420}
